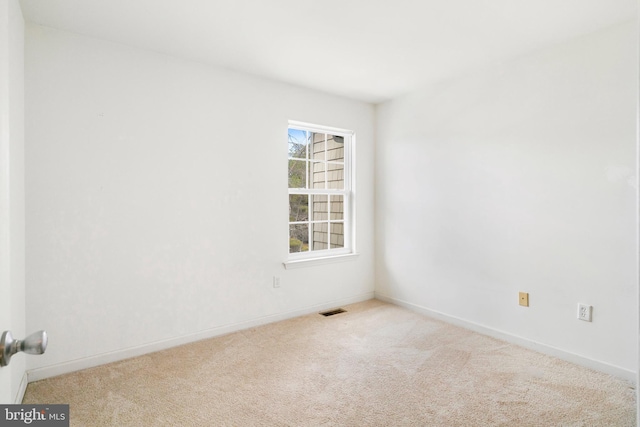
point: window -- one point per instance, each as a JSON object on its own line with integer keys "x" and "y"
{"x": 321, "y": 200}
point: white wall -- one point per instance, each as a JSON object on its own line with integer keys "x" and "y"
{"x": 157, "y": 202}
{"x": 12, "y": 227}
{"x": 519, "y": 178}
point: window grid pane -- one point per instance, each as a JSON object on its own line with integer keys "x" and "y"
{"x": 317, "y": 172}
{"x": 298, "y": 207}
{"x": 297, "y": 173}
{"x": 298, "y": 238}
{"x": 336, "y": 208}
{"x": 319, "y": 147}
{"x": 320, "y": 207}
{"x": 337, "y": 235}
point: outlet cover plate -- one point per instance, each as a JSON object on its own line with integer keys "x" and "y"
{"x": 524, "y": 299}
{"x": 584, "y": 312}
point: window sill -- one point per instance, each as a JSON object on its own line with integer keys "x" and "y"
{"x": 312, "y": 262}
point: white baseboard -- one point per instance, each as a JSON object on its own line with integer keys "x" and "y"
{"x": 597, "y": 365}
{"x": 114, "y": 356}
{"x": 22, "y": 389}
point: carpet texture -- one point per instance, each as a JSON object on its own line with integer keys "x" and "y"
{"x": 375, "y": 365}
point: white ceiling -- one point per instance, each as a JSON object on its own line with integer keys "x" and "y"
{"x": 371, "y": 50}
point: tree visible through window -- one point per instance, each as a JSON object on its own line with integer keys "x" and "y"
{"x": 319, "y": 190}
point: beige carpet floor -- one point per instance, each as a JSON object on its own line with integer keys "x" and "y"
{"x": 375, "y": 365}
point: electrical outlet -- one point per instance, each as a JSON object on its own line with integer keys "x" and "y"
{"x": 276, "y": 281}
{"x": 584, "y": 312}
{"x": 523, "y": 299}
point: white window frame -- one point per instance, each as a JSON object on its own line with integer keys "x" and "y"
{"x": 315, "y": 257}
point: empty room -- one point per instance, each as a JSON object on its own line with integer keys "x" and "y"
{"x": 301, "y": 213}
